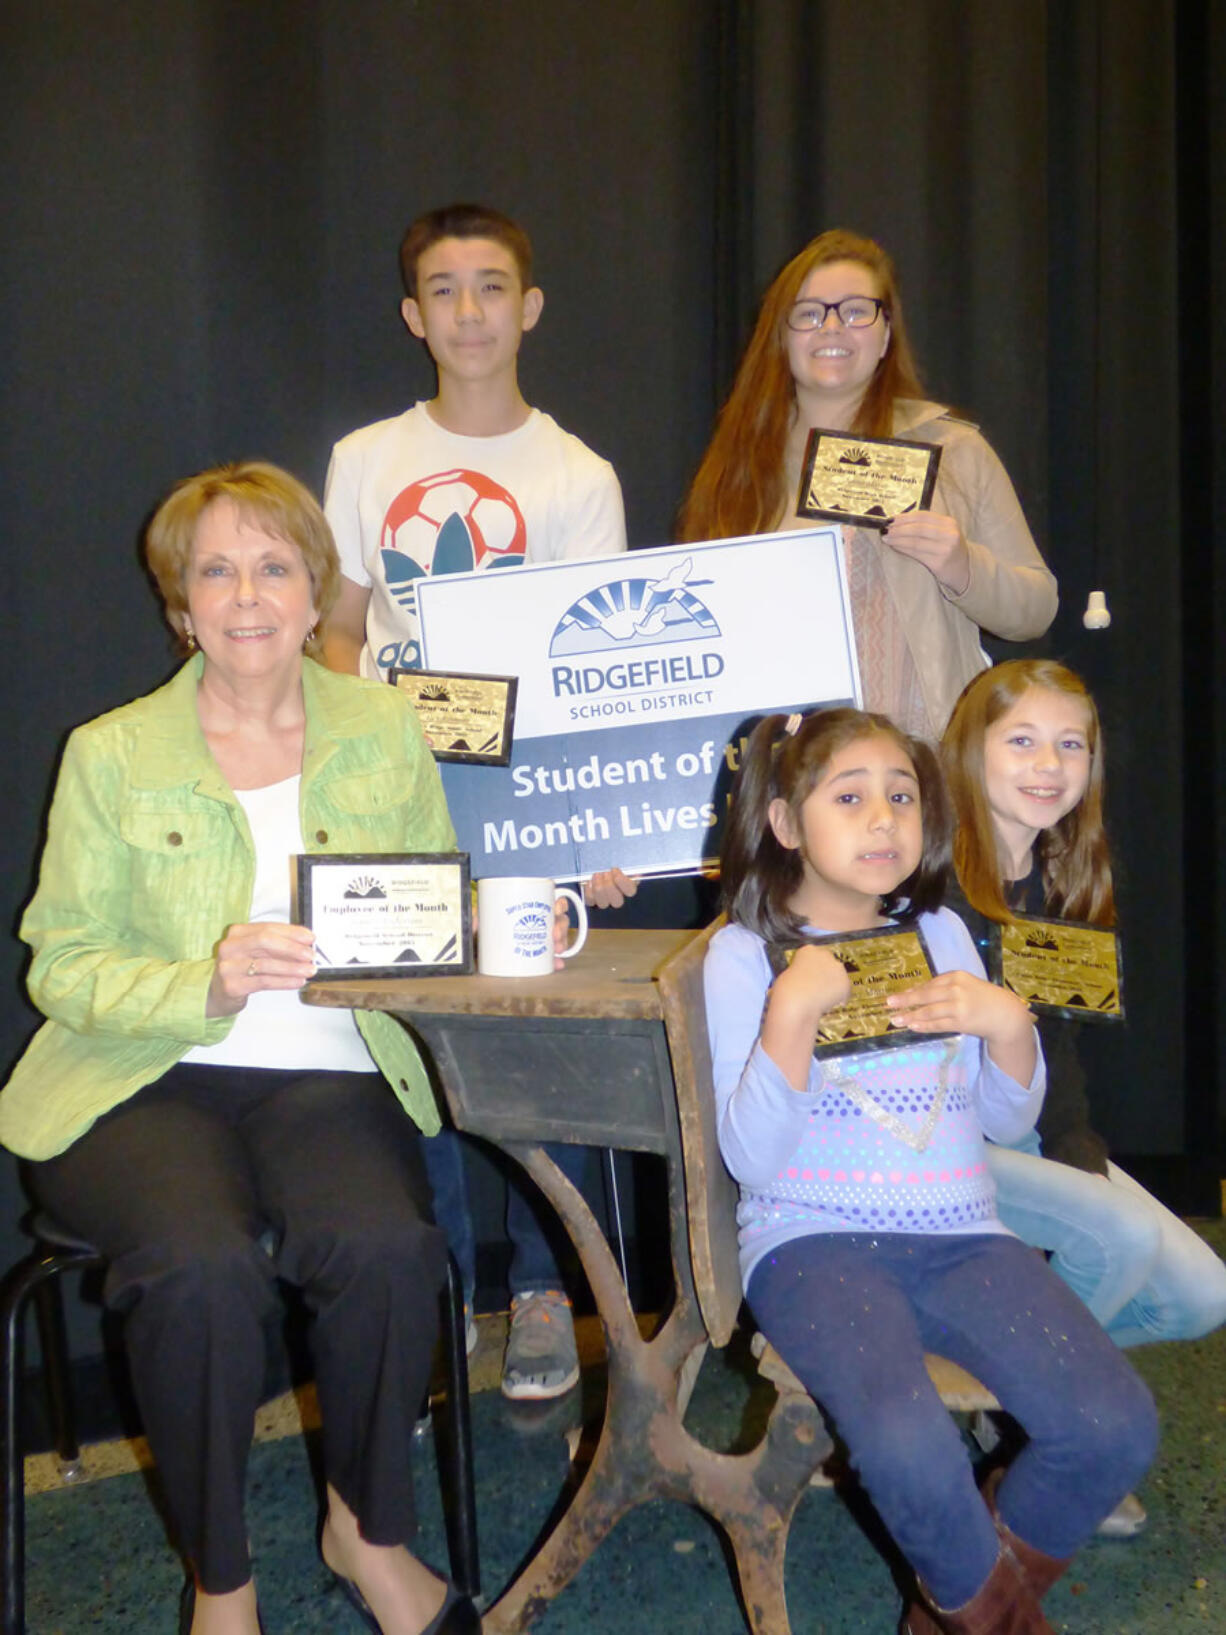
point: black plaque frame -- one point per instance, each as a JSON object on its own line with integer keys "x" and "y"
{"x": 461, "y": 928}
{"x": 891, "y": 1038}
{"x": 1068, "y": 1011}
{"x": 822, "y": 452}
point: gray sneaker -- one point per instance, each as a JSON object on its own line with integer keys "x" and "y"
{"x": 541, "y": 1360}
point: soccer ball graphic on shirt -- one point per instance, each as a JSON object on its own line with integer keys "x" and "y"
{"x": 453, "y": 522}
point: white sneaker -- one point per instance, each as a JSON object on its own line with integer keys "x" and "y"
{"x": 1126, "y": 1520}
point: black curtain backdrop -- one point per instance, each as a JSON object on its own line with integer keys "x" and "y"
{"x": 203, "y": 201}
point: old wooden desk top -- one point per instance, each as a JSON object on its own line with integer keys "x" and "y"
{"x": 611, "y": 977}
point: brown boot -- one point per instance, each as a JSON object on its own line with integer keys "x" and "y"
{"x": 1041, "y": 1571}
{"x": 917, "y": 1620}
{"x": 1003, "y": 1605}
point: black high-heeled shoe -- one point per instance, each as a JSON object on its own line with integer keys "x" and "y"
{"x": 456, "y": 1616}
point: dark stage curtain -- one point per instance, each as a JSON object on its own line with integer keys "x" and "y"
{"x": 1044, "y": 175}
{"x": 203, "y": 200}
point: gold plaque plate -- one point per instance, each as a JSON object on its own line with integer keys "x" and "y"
{"x": 880, "y": 963}
{"x": 1060, "y": 967}
{"x": 866, "y": 481}
{"x": 464, "y": 717}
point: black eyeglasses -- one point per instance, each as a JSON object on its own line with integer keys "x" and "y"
{"x": 853, "y": 311}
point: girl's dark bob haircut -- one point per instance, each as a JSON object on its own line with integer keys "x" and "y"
{"x": 759, "y": 876}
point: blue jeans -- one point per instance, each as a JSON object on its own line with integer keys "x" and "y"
{"x": 533, "y": 1264}
{"x": 853, "y": 1315}
{"x": 1142, "y": 1272}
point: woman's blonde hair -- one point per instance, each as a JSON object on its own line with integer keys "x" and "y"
{"x": 265, "y": 497}
{"x": 739, "y": 487}
{"x": 1073, "y": 853}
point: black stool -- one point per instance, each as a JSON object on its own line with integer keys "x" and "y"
{"x": 56, "y": 1251}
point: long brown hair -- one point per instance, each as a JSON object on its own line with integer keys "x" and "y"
{"x": 1073, "y": 854}
{"x": 738, "y": 488}
{"x": 759, "y": 876}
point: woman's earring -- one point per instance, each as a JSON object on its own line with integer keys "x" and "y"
{"x": 308, "y": 638}
{"x": 189, "y": 636}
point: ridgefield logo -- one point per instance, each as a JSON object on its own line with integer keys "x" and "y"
{"x": 623, "y": 616}
{"x": 530, "y": 932}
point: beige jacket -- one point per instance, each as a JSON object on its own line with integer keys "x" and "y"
{"x": 1012, "y": 592}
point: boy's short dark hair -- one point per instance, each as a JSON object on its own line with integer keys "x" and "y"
{"x": 463, "y": 221}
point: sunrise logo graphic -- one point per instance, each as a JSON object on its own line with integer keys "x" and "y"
{"x": 635, "y": 611}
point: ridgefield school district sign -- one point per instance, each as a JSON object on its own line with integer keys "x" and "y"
{"x": 639, "y": 678}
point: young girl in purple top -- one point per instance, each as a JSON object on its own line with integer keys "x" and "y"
{"x": 867, "y": 1217}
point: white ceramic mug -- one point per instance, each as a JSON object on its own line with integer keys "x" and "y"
{"x": 515, "y": 925}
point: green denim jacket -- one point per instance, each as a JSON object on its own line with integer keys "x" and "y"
{"x": 149, "y": 858}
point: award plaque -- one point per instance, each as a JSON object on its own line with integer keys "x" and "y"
{"x": 879, "y": 963}
{"x": 464, "y": 717}
{"x": 865, "y": 480}
{"x": 1060, "y": 967}
{"x": 385, "y": 914}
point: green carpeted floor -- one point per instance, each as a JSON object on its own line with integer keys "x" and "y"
{"x": 97, "y": 1557}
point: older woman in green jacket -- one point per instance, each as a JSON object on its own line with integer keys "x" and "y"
{"x": 179, "y": 1099}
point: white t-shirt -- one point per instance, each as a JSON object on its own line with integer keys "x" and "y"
{"x": 406, "y": 498}
{"x": 274, "y": 1028}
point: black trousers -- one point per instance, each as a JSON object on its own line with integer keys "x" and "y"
{"x": 175, "y": 1187}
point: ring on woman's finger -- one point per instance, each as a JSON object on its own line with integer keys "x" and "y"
{"x": 251, "y": 969}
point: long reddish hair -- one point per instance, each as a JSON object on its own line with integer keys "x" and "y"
{"x": 1073, "y": 854}
{"x": 738, "y": 488}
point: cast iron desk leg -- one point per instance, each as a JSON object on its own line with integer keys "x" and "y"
{"x": 645, "y": 1452}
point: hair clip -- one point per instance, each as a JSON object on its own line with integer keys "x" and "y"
{"x": 792, "y": 725}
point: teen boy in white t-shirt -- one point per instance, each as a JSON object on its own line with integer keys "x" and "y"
{"x": 473, "y": 479}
